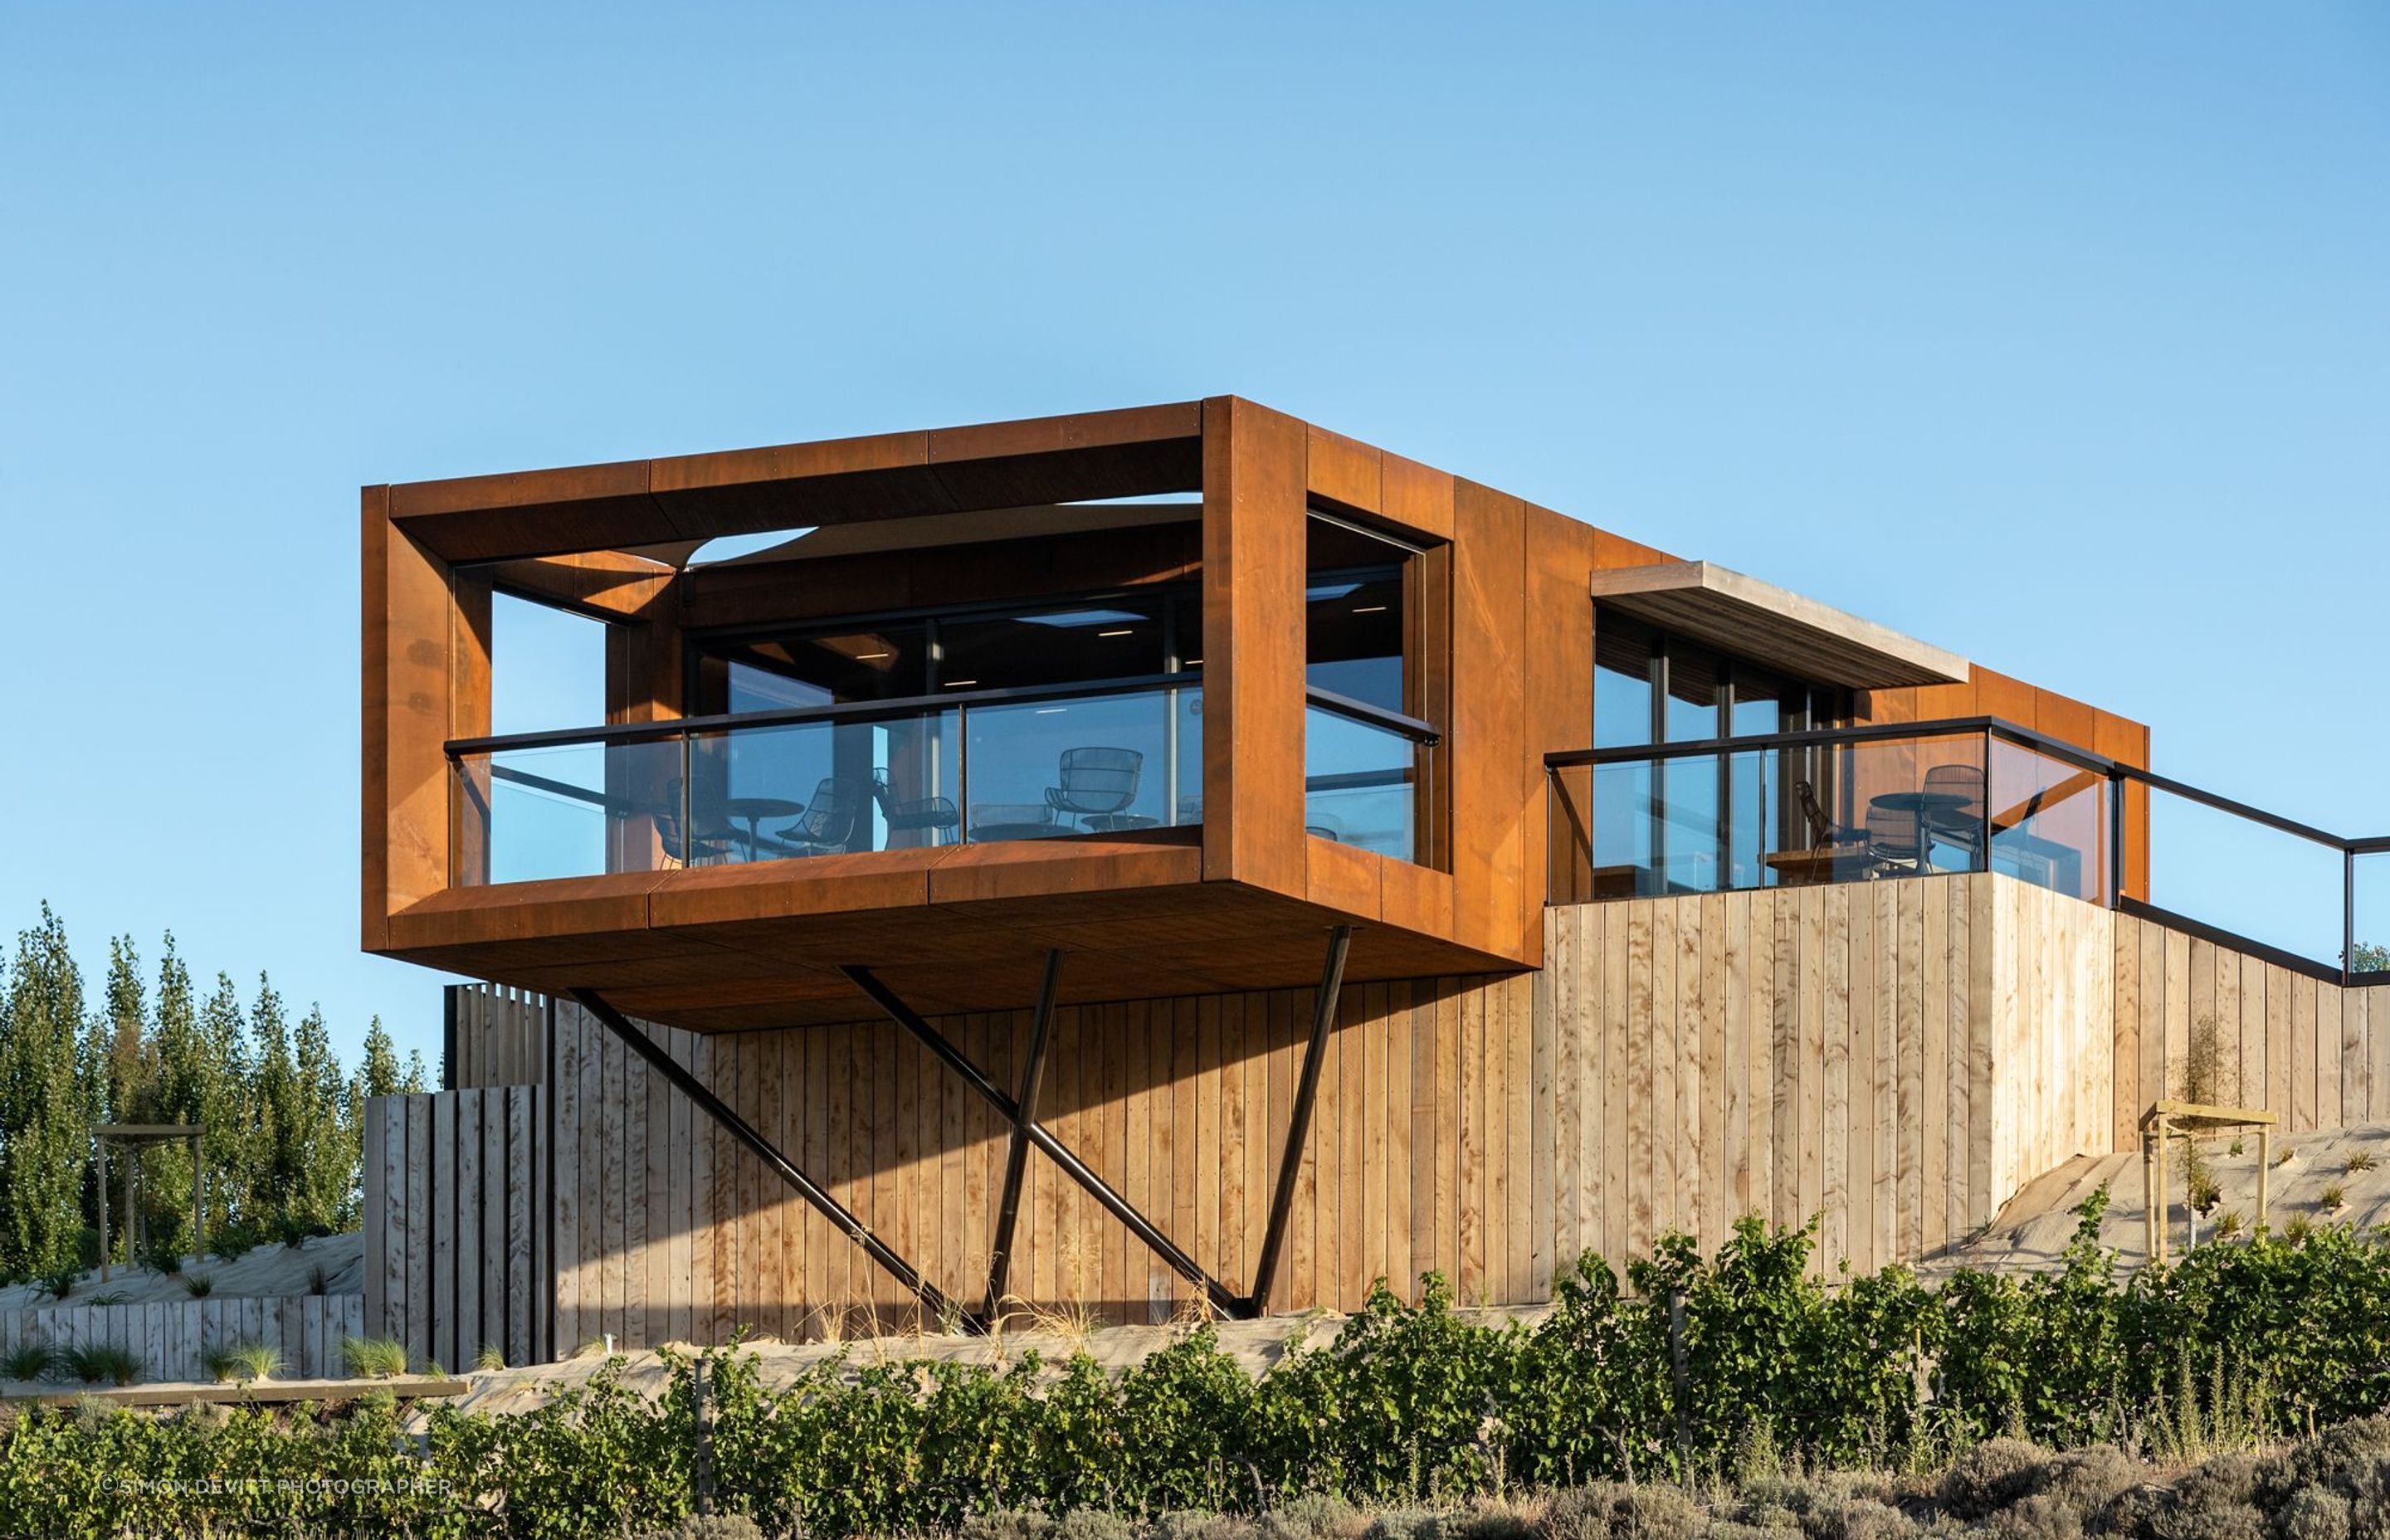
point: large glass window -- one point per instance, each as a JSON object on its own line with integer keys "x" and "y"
{"x": 1354, "y": 641}
{"x": 1703, "y": 823}
{"x": 1083, "y": 641}
{"x": 1625, "y": 655}
{"x": 1116, "y": 639}
{"x": 1366, "y": 782}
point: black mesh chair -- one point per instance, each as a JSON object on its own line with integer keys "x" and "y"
{"x": 1964, "y": 824}
{"x": 1892, "y": 841}
{"x": 1098, "y": 787}
{"x": 827, "y": 825}
{"x": 700, "y": 848}
{"x": 935, "y": 817}
{"x": 1823, "y": 835}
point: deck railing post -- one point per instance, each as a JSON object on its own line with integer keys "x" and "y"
{"x": 2348, "y": 913}
{"x": 2117, "y": 803}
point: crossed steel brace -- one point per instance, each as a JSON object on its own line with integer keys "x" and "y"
{"x": 1021, "y": 1113}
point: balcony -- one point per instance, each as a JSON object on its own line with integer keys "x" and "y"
{"x": 1871, "y": 803}
{"x": 985, "y": 766}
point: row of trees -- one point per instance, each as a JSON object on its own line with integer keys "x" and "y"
{"x": 280, "y": 1114}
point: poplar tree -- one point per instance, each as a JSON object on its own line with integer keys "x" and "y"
{"x": 324, "y": 1192}
{"x": 45, "y": 1133}
{"x": 378, "y": 1069}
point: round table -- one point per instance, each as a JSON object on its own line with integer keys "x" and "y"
{"x": 752, "y": 811}
{"x": 1925, "y": 806}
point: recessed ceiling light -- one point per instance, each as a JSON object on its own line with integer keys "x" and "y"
{"x": 1115, "y": 633}
{"x": 957, "y": 683}
{"x": 1369, "y": 609}
{"x": 867, "y": 657}
{"x": 1050, "y": 711}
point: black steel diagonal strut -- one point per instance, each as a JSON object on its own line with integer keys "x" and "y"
{"x": 745, "y": 1132}
{"x": 1222, "y": 1299}
{"x": 1016, "y": 1154}
{"x": 1306, "y": 1092}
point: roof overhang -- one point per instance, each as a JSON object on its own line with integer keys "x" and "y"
{"x": 1775, "y": 626}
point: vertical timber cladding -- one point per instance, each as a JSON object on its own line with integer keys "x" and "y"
{"x": 1893, "y": 1059}
{"x": 1420, "y": 1157}
{"x": 455, "y": 1196}
{"x": 2192, "y": 1016}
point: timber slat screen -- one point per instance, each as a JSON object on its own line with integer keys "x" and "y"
{"x": 457, "y": 1199}
{"x": 495, "y": 1036}
{"x": 173, "y": 1339}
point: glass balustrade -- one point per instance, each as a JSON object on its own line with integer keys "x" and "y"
{"x": 2214, "y": 865}
{"x": 1726, "y": 818}
{"x": 1367, "y": 783}
{"x": 1791, "y": 810}
{"x": 2369, "y": 922}
{"x": 838, "y": 783}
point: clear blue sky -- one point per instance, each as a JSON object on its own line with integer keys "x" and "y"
{"x": 2058, "y": 334}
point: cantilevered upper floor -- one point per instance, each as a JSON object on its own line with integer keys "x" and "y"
{"x": 1173, "y": 688}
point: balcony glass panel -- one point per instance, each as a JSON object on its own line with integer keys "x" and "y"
{"x": 781, "y": 790}
{"x": 1364, "y": 784}
{"x": 1103, "y": 765}
{"x": 571, "y": 809}
{"x": 2049, "y": 821}
{"x": 1658, "y": 824}
{"x": 2222, "y": 870}
{"x": 2371, "y": 920}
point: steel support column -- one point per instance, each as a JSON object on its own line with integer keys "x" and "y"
{"x": 1016, "y": 1154}
{"x": 745, "y": 1132}
{"x": 1306, "y": 1092}
{"x": 1222, "y": 1299}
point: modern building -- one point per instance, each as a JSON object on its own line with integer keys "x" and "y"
{"x": 1182, "y": 856}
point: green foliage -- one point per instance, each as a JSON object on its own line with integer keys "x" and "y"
{"x": 282, "y": 1117}
{"x": 198, "y": 1285}
{"x": 244, "y": 1362}
{"x": 44, "y": 1104}
{"x": 373, "y": 1357}
{"x": 1422, "y": 1409}
{"x": 32, "y": 1359}
{"x": 101, "y": 1363}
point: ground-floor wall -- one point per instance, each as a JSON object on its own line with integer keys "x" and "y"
{"x": 1896, "y": 1060}
{"x": 1892, "y": 1058}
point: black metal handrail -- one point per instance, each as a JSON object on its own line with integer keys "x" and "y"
{"x": 2118, "y": 775}
{"x": 1423, "y": 733}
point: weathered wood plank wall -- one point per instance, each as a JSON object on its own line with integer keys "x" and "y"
{"x": 1420, "y": 1159}
{"x": 2313, "y": 1053}
{"x": 456, "y": 1209}
{"x": 173, "y": 1337}
{"x": 498, "y": 1037}
{"x": 1864, "y": 1054}
{"x": 1896, "y": 1058}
